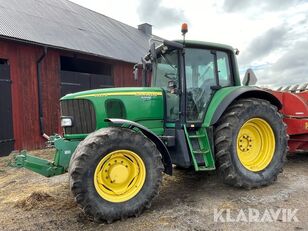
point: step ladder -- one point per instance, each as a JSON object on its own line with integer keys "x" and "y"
{"x": 200, "y": 149}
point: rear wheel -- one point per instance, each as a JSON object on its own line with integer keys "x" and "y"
{"x": 251, "y": 143}
{"x": 115, "y": 173}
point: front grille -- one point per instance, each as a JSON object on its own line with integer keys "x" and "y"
{"x": 83, "y": 114}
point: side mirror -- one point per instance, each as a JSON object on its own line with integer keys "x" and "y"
{"x": 135, "y": 72}
{"x": 249, "y": 78}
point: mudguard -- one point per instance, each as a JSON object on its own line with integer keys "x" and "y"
{"x": 155, "y": 139}
{"x": 225, "y": 96}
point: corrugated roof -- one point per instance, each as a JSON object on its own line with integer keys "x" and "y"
{"x": 66, "y": 25}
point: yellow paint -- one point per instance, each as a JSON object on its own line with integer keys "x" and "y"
{"x": 141, "y": 93}
{"x": 256, "y": 144}
{"x": 306, "y": 125}
{"x": 119, "y": 176}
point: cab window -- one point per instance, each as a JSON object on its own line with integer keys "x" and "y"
{"x": 200, "y": 76}
{"x": 200, "y": 67}
{"x": 166, "y": 76}
{"x": 223, "y": 65}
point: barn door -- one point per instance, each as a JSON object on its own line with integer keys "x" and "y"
{"x": 73, "y": 82}
{"x": 77, "y": 81}
{"x": 6, "y": 121}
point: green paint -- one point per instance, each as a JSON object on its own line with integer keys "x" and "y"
{"x": 38, "y": 165}
{"x": 170, "y": 125}
{"x": 218, "y": 97}
{"x": 203, "y": 44}
{"x": 141, "y": 105}
{"x": 204, "y": 150}
{"x": 64, "y": 151}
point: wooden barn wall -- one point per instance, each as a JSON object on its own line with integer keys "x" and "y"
{"x": 22, "y": 59}
{"x": 50, "y": 75}
{"x": 123, "y": 75}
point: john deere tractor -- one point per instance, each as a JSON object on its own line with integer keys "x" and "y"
{"x": 118, "y": 141}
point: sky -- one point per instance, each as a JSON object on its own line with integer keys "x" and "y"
{"x": 272, "y": 35}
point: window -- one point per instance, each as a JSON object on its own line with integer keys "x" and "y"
{"x": 223, "y": 69}
{"x": 166, "y": 70}
{"x": 166, "y": 76}
{"x": 200, "y": 76}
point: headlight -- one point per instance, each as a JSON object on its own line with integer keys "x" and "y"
{"x": 66, "y": 122}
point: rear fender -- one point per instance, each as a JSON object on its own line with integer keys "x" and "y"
{"x": 216, "y": 109}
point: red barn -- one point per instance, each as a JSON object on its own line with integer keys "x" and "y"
{"x": 49, "y": 48}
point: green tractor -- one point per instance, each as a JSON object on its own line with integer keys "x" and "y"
{"x": 118, "y": 142}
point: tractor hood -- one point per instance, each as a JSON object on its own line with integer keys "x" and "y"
{"x": 121, "y": 91}
{"x": 89, "y": 109}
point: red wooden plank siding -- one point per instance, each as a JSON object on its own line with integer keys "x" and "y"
{"x": 22, "y": 59}
{"x": 51, "y": 92}
{"x": 123, "y": 75}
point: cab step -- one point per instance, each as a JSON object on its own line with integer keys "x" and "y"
{"x": 201, "y": 152}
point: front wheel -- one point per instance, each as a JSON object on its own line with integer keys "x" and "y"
{"x": 115, "y": 173}
{"x": 251, "y": 143}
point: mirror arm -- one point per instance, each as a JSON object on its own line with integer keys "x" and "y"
{"x": 144, "y": 72}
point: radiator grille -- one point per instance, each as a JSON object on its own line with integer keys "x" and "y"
{"x": 83, "y": 114}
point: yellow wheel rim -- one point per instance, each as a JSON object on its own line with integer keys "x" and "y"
{"x": 255, "y": 144}
{"x": 119, "y": 176}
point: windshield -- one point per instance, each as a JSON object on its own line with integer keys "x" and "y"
{"x": 165, "y": 75}
{"x": 165, "y": 70}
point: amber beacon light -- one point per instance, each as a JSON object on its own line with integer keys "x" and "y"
{"x": 184, "y": 28}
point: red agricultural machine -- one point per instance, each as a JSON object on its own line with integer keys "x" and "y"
{"x": 295, "y": 110}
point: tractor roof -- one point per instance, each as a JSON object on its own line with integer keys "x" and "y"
{"x": 202, "y": 44}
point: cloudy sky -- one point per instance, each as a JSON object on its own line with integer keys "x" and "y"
{"x": 272, "y": 35}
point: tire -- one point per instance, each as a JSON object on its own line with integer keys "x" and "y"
{"x": 97, "y": 199}
{"x": 242, "y": 160}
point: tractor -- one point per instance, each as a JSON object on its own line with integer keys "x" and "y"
{"x": 192, "y": 112}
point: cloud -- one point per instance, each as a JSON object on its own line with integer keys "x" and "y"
{"x": 272, "y": 5}
{"x": 155, "y": 13}
{"x": 265, "y": 44}
{"x": 235, "y": 5}
{"x": 291, "y": 68}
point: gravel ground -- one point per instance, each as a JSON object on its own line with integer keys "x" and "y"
{"x": 187, "y": 201}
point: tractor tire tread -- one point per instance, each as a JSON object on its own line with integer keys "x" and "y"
{"x": 224, "y": 129}
{"x": 86, "y": 152}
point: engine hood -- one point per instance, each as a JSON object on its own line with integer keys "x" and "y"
{"x": 123, "y": 91}
{"x": 141, "y": 105}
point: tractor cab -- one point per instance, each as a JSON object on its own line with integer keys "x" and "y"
{"x": 190, "y": 75}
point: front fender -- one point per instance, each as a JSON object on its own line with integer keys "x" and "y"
{"x": 155, "y": 139}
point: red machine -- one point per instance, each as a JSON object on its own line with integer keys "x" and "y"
{"x": 295, "y": 111}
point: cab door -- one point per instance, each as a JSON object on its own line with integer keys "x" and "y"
{"x": 204, "y": 69}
